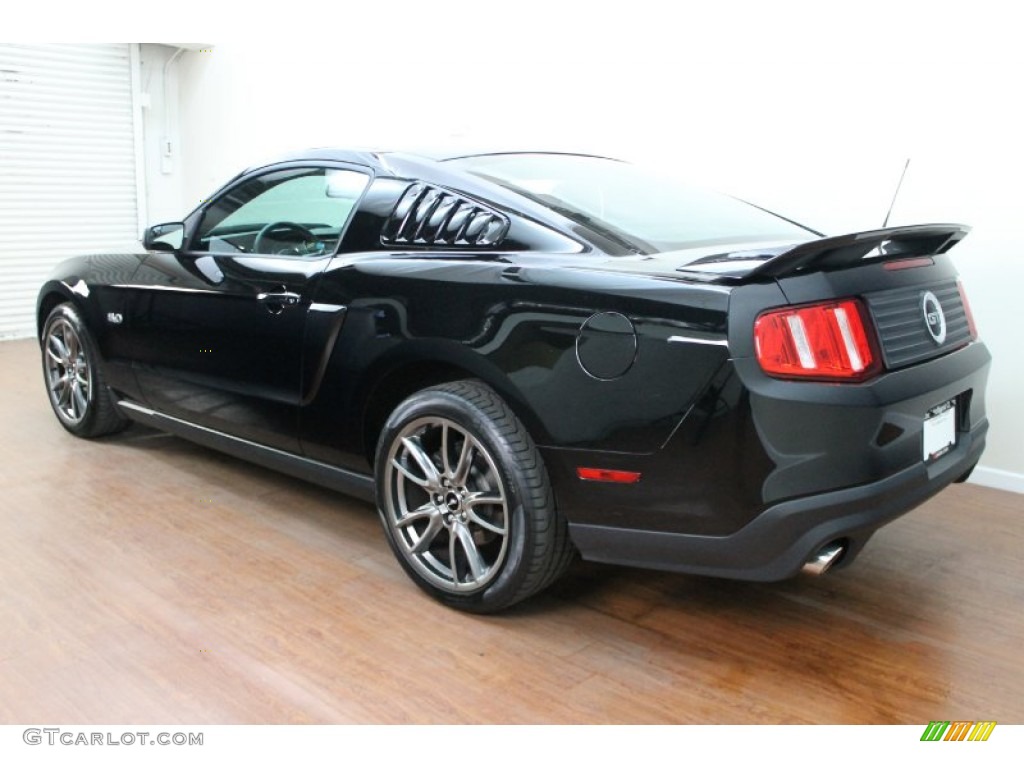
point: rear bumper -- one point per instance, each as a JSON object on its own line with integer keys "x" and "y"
{"x": 777, "y": 543}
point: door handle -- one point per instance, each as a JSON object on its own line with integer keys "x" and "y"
{"x": 277, "y": 301}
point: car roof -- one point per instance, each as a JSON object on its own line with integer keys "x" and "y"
{"x": 379, "y": 157}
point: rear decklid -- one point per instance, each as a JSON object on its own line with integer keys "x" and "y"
{"x": 911, "y": 292}
{"x": 900, "y": 274}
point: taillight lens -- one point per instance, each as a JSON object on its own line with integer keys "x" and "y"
{"x": 967, "y": 310}
{"x": 607, "y": 475}
{"x": 827, "y": 341}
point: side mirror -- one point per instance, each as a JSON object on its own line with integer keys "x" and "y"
{"x": 164, "y": 237}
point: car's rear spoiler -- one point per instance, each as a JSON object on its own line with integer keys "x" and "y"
{"x": 847, "y": 250}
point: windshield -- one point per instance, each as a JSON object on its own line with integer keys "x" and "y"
{"x": 640, "y": 209}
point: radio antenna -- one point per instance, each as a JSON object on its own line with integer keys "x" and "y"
{"x": 895, "y": 194}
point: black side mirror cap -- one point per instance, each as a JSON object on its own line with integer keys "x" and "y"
{"x": 164, "y": 237}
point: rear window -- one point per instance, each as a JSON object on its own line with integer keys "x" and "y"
{"x": 643, "y": 210}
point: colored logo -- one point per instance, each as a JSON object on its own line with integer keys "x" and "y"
{"x": 958, "y": 730}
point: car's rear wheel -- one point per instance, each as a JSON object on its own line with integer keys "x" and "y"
{"x": 74, "y": 380}
{"x": 465, "y": 499}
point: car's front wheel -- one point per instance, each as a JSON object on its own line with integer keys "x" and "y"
{"x": 74, "y": 380}
{"x": 465, "y": 499}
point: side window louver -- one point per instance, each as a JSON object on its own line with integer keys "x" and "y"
{"x": 426, "y": 215}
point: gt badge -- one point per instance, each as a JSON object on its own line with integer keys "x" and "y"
{"x": 934, "y": 317}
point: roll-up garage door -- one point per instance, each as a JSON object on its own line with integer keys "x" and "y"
{"x": 67, "y": 165}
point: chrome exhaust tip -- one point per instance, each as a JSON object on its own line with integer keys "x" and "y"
{"x": 825, "y": 558}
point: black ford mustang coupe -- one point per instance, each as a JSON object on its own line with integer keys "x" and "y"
{"x": 520, "y": 356}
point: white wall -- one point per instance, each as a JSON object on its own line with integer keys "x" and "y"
{"x": 803, "y": 110}
{"x": 160, "y": 97}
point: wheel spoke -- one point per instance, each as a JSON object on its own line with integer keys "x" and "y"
{"x": 486, "y": 524}
{"x": 79, "y": 402}
{"x": 71, "y": 341}
{"x": 477, "y": 567}
{"x": 65, "y": 390}
{"x": 481, "y": 497}
{"x": 432, "y": 515}
{"x": 59, "y": 351}
{"x": 434, "y": 527}
{"x": 431, "y": 478}
{"x": 432, "y": 481}
{"x": 408, "y": 473}
{"x": 416, "y": 515}
{"x": 465, "y": 462}
{"x": 445, "y": 463}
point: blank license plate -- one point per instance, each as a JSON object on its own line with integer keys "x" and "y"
{"x": 939, "y": 430}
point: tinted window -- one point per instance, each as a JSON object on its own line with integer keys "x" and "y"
{"x": 297, "y": 212}
{"x": 641, "y": 209}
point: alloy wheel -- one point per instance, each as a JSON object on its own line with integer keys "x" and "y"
{"x": 68, "y": 377}
{"x": 447, "y": 505}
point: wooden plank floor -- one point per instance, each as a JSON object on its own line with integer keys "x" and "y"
{"x": 146, "y": 580}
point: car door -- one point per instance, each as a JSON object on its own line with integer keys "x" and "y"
{"x": 219, "y": 324}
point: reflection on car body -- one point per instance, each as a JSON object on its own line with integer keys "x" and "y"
{"x": 524, "y": 356}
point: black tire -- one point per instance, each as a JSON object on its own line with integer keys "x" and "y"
{"x": 74, "y": 379}
{"x": 465, "y": 499}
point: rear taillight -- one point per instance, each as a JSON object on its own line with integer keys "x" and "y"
{"x": 967, "y": 310}
{"x": 827, "y": 341}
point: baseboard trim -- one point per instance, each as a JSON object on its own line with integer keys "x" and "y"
{"x": 998, "y": 478}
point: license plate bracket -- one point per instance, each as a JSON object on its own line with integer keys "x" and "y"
{"x": 939, "y": 431}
